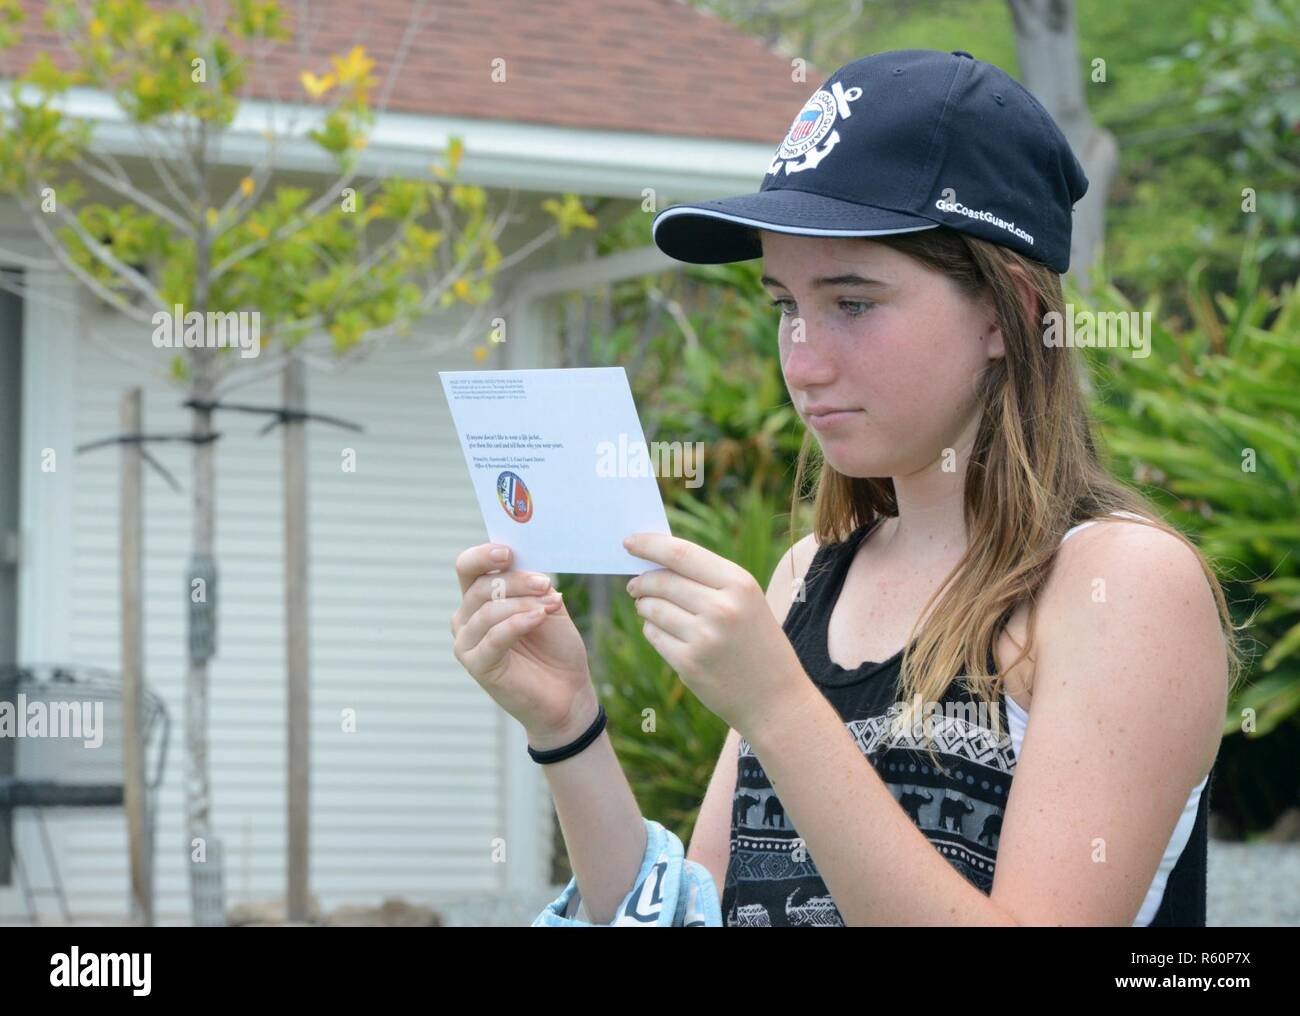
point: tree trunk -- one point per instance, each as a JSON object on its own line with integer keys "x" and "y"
{"x": 1047, "y": 47}
{"x": 205, "y": 882}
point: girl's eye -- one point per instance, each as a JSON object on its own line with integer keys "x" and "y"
{"x": 853, "y": 308}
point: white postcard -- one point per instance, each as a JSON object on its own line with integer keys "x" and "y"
{"x": 559, "y": 465}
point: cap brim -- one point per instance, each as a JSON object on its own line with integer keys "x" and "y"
{"x": 725, "y": 230}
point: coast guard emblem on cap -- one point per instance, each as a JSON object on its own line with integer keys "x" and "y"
{"x": 814, "y": 122}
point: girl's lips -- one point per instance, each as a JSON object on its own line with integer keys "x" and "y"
{"x": 822, "y": 421}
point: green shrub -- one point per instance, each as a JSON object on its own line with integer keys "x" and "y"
{"x": 1208, "y": 425}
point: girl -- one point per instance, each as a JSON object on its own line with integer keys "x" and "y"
{"x": 971, "y": 565}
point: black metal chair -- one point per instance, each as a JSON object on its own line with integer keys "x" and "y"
{"x": 53, "y": 771}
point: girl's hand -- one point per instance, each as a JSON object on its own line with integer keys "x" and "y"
{"x": 711, "y": 622}
{"x": 519, "y": 643}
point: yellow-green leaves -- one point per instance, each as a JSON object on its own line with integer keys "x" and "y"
{"x": 314, "y": 86}
{"x": 569, "y": 214}
{"x": 402, "y": 199}
{"x": 44, "y": 75}
{"x": 353, "y": 72}
{"x": 455, "y": 152}
{"x": 468, "y": 199}
{"x": 422, "y": 241}
{"x": 11, "y": 16}
{"x": 251, "y": 19}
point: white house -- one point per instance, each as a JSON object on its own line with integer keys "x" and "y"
{"x": 610, "y": 101}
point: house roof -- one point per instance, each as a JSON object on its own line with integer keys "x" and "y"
{"x": 647, "y": 66}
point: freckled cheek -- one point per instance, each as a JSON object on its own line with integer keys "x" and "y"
{"x": 892, "y": 394}
{"x": 922, "y": 361}
{"x": 836, "y": 343}
{"x": 896, "y": 360}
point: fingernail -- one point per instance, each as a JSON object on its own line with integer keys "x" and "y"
{"x": 500, "y": 554}
{"x": 538, "y": 582}
{"x": 552, "y": 597}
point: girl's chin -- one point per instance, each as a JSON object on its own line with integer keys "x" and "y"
{"x": 858, "y": 466}
{"x": 858, "y": 455}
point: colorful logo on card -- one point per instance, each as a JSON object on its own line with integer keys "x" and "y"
{"x": 514, "y": 497}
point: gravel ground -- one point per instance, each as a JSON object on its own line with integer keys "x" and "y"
{"x": 1247, "y": 884}
{"x": 1252, "y": 884}
{"x": 505, "y": 911}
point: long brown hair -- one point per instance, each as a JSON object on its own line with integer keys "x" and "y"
{"x": 1034, "y": 472}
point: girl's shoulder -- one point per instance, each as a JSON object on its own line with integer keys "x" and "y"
{"x": 1129, "y": 559}
{"x": 1115, "y": 536}
{"x": 792, "y": 571}
{"x": 1128, "y": 603}
{"x": 789, "y": 574}
{"x": 1129, "y": 628}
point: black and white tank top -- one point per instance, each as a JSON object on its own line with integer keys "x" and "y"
{"x": 772, "y": 880}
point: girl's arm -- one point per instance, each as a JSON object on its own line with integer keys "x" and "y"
{"x": 1128, "y": 703}
{"x": 604, "y": 832}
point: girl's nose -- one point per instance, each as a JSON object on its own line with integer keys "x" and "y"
{"x": 807, "y": 361}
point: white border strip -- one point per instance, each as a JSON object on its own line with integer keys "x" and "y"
{"x": 669, "y": 213}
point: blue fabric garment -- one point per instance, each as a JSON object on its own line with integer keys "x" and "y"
{"x": 669, "y": 892}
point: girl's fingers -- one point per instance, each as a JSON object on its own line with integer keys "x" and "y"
{"x": 475, "y": 561}
{"x": 493, "y": 613}
{"x": 499, "y": 586}
{"x": 660, "y": 639}
{"x": 688, "y": 594}
{"x": 666, "y": 616}
{"x": 500, "y": 639}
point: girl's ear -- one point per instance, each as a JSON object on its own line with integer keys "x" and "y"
{"x": 994, "y": 342}
{"x": 1028, "y": 295}
{"x": 994, "y": 339}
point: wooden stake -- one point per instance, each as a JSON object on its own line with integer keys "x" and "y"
{"x": 295, "y": 612}
{"x": 132, "y": 590}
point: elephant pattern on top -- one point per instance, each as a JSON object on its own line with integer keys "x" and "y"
{"x": 774, "y": 810}
{"x": 814, "y": 912}
{"x": 992, "y": 828}
{"x": 740, "y": 808}
{"x": 957, "y": 802}
{"x": 912, "y": 803}
{"x": 954, "y": 810}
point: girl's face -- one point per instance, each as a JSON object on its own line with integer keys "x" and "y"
{"x": 890, "y": 344}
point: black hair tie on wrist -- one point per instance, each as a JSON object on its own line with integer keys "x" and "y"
{"x": 572, "y": 748}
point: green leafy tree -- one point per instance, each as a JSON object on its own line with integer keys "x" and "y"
{"x": 346, "y": 265}
{"x": 1240, "y": 80}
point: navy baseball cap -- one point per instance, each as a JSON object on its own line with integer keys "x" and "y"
{"x": 894, "y": 143}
